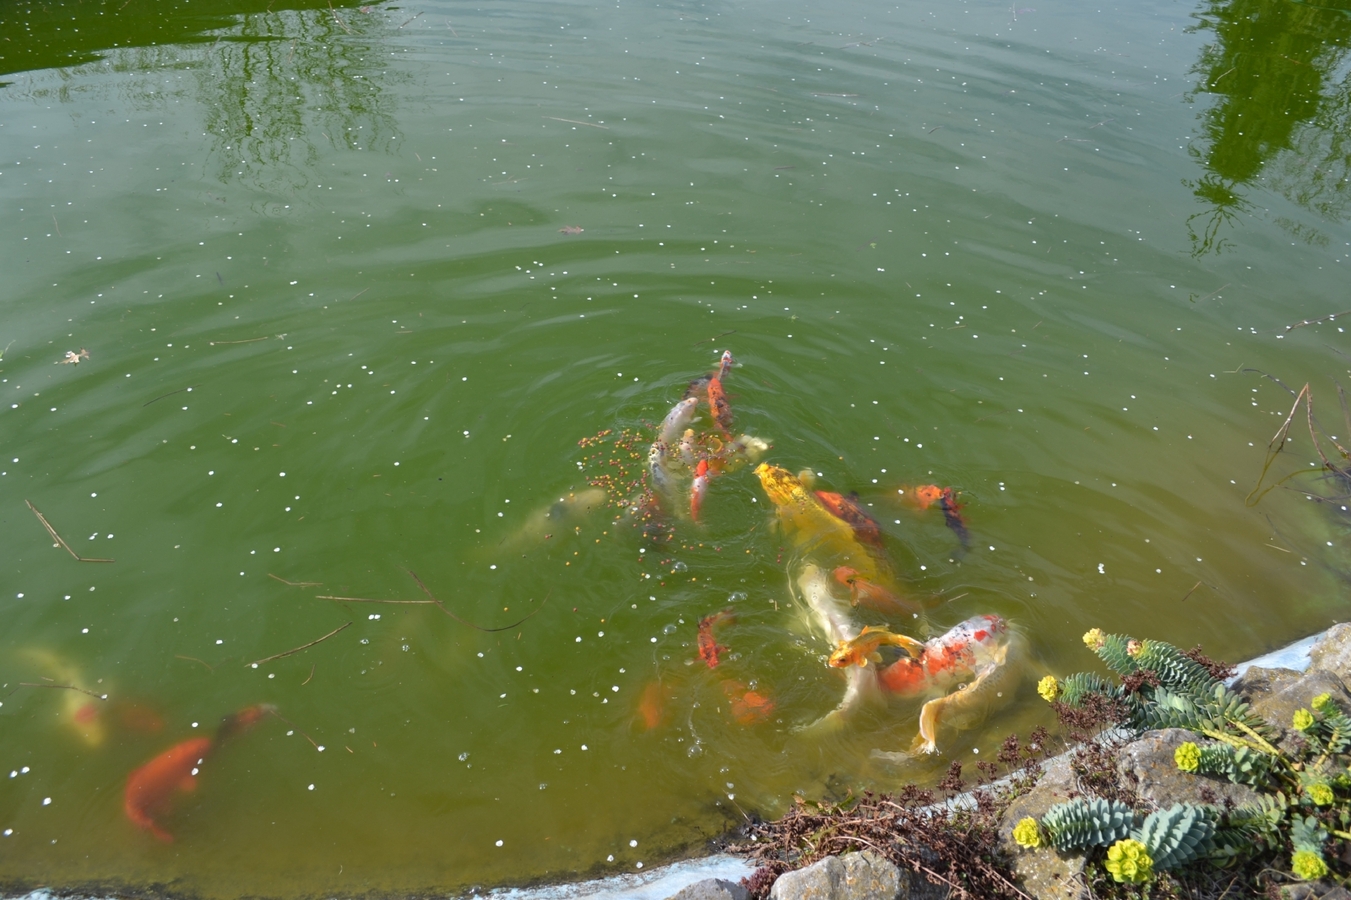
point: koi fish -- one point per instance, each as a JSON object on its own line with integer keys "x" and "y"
{"x": 863, "y": 649}
{"x": 81, "y": 712}
{"x": 973, "y": 656}
{"x": 848, "y": 509}
{"x": 698, "y": 387}
{"x": 725, "y": 364}
{"x": 151, "y": 789}
{"x": 676, "y": 420}
{"x": 709, "y": 648}
{"x": 718, "y": 405}
{"x": 874, "y": 596}
{"x": 656, "y": 467}
{"x": 945, "y": 498}
{"x": 652, "y": 706}
{"x": 698, "y": 489}
{"x": 811, "y": 526}
{"x": 689, "y": 455}
{"x": 749, "y": 707}
{"x": 565, "y": 513}
{"x": 951, "y": 515}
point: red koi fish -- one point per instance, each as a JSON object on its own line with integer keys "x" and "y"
{"x": 874, "y": 596}
{"x": 748, "y": 707}
{"x": 851, "y": 511}
{"x": 709, "y": 648}
{"x": 718, "y": 405}
{"x": 699, "y": 488}
{"x": 152, "y": 788}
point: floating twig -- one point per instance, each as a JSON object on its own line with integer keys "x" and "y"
{"x": 338, "y": 18}
{"x": 249, "y": 341}
{"x": 56, "y": 537}
{"x": 170, "y": 394}
{"x": 1189, "y": 593}
{"x": 308, "y": 677}
{"x": 414, "y": 17}
{"x": 296, "y": 727}
{"x": 442, "y": 607}
{"x": 1319, "y": 320}
{"x": 64, "y": 687}
{"x": 295, "y": 583}
{"x": 578, "y": 122}
{"x": 301, "y": 647}
{"x": 1213, "y": 293}
{"x": 209, "y": 667}
{"x": 357, "y": 294}
{"x": 369, "y": 600}
{"x": 715, "y": 337}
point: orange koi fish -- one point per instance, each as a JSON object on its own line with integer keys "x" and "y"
{"x": 720, "y": 408}
{"x": 152, "y": 788}
{"x": 872, "y": 595}
{"x": 850, "y": 510}
{"x": 927, "y": 495}
{"x": 748, "y": 707}
{"x": 709, "y": 648}
{"x": 863, "y": 649}
{"x": 652, "y": 706}
{"x": 699, "y": 488}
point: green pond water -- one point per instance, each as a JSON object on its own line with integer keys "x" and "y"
{"x": 341, "y": 327}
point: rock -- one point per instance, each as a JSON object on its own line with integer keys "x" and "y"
{"x": 711, "y": 889}
{"x": 1317, "y": 890}
{"x": 1148, "y": 762}
{"x": 854, "y": 876}
{"x": 1332, "y": 653}
{"x": 1275, "y": 694}
{"x": 1044, "y": 873}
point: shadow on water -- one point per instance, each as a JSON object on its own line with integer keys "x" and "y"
{"x": 1281, "y": 118}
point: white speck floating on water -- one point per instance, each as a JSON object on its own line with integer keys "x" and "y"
{"x": 311, "y": 787}
{"x": 46, "y": 801}
{"x": 1101, "y": 569}
{"x": 499, "y": 843}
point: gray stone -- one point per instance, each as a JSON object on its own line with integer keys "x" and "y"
{"x": 1275, "y": 694}
{"x": 1332, "y": 653}
{"x": 1044, "y": 873}
{"x": 1148, "y": 762}
{"x": 711, "y": 889}
{"x": 1317, "y": 890}
{"x": 854, "y": 876}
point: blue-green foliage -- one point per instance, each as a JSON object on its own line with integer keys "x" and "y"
{"x": 1080, "y": 824}
{"x": 1177, "y": 835}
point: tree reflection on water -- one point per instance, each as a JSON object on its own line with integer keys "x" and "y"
{"x": 275, "y": 81}
{"x": 1282, "y": 116}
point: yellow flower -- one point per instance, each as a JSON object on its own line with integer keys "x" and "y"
{"x": 1188, "y": 757}
{"x": 1027, "y": 833}
{"x": 1308, "y": 865}
{"x": 1320, "y": 794}
{"x": 1321, "y": 701}
{"x": 1128, "y": 861}
{"x": 1094, "y": 638}
{"x": 1133, "y": 647}
{"x": 1048, "y": 688}
{"x": 1302, "y": 720}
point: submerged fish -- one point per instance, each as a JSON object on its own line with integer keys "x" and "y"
{"x": 927, "y": 495}
{"x": 749, "y": 707}
{"x": 725, "y": 364}
{"x": 709, "y": 648}
{"x": 566, "y": 512}
{"x": 652, "y": 705}
{"x": 152, "y": 788}
{"x": 863, "y": 592}
{"x": 849, "y": 509}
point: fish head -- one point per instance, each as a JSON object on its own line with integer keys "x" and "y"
{"x": 780, "y": 484}
{"x": 928, "y": 494}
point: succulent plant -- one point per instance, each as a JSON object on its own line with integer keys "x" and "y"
{"x": 1080, "y": 824}
{"x": 1177, "y": 835}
